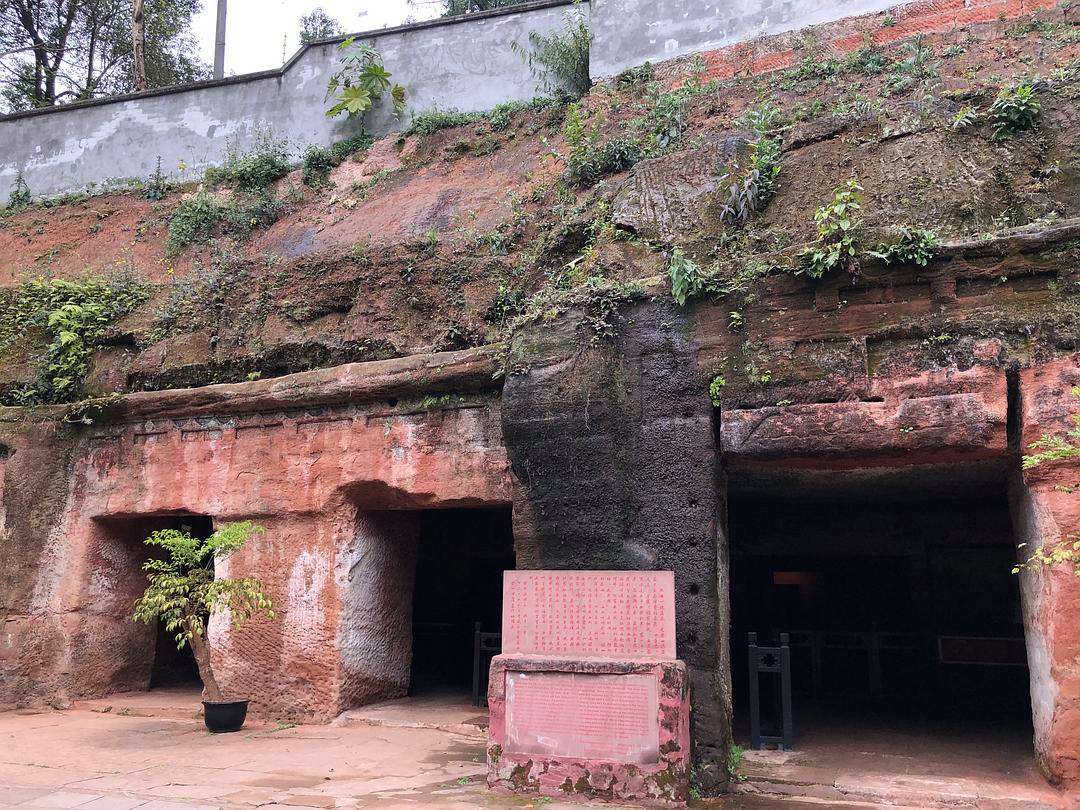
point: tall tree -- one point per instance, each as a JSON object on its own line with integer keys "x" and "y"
{"x": 57, "y": 51}
{"x": 138, "y": 43}
{"x": 318, "y": 25}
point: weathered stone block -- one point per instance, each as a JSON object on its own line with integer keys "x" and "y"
{"x": 644, "y": 758}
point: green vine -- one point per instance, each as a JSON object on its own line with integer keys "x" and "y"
{"x": 1055, "y": 448}
{"x": 72, "y": 315}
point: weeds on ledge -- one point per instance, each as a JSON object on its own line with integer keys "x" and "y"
{"x": 202, "y": 216}
{"x": 1014, "y": 110}
{"x": 498, "y": 118}
{"x": 837, "y": 226}
{"x": 589, "y": 161}
{"x": 317, "y": 163}
{"x": 911, "y": 246}
{"x": 254, "y": 170}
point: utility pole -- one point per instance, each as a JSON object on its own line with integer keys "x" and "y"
{"x": 219, "y": 41}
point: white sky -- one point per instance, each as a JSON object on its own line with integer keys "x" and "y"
{"x": 255, "y": 29}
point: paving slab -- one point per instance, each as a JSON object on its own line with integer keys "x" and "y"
{"x": 114, "y": 803}
{"x": 94, "y": 760}
{"x": 63, "y": 799}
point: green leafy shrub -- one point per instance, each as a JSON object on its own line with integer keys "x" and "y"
{"x": 616, "y": 155}
{"x": 72, "y": 315}
{"x": 19, "y": 198}
{"x": 199, "y": 218}
{"x": 500, "y": 116}
{"x": 667, "y": 112}
{"x": 868, "y": 60}
{"x": 750, "y": 192}
{"x": 433, "y": 120}
{"x": 240, "y": 217}
{"x": 666, "y": 119}
{"x": 763, "y": 119}
{"x": 1014, "y": 110}
{"x": 911, "y": 246}
{"x": 360, "y": 81}
{"x": 916, "y": 65}
{"x": 508, "y": 304}
{"x": 560, "y": 60}
{"x": 837, "y": 225}
{"x": 350, "y": 146}
{"x": 589, "y": 161}
{"x": 317, "y": 163}
{"x": 254, "y": 170}
{"x": 194, "y": 220}
{"x": 687, "y": 281}
{"x": 635, "y": 77}
{"x": 765, "y": 166}
{"x": 183, "y": 591}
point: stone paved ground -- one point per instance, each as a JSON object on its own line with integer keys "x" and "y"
{"x": 151, "y": 752}
{"x": 92, "y": 759}
{"x": 898, "y": 760}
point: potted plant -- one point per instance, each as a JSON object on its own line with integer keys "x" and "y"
{"x": 183, "y": 593}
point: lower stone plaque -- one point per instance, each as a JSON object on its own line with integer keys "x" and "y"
{"x": 595, "y": 717}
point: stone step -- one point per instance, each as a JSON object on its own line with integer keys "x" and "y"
{"x": 894, "y": 790}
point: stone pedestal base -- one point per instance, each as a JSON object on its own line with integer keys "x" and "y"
{"x": 590, "y": 728}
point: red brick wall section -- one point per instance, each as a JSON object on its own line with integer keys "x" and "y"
{"x": 927, "y": 17}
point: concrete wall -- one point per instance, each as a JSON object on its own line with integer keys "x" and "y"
{"x": 629, "y": 32}
{"x": 464, "y": 63}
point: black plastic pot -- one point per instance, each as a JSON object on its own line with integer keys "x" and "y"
{"x": 222, "y": 716}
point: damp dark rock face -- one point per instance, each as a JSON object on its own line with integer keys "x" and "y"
{"x": 612, "y": 446}
{"x": 674, "y": 195}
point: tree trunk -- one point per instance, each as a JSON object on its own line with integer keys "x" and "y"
{"x": 138, "y": 44}
{"x": 201, "y": 650}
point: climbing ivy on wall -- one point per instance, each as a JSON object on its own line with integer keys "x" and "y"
{"x": 72, "y": 317}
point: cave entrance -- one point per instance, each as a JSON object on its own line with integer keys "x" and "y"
{"x": 140, "y": 657}
{"x": 904, "y": 617}
{"x": 419, "y": 582}
{"x": 461, "y": 556}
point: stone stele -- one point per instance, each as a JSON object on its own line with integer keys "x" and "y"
{"x": 587, "y": 698}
